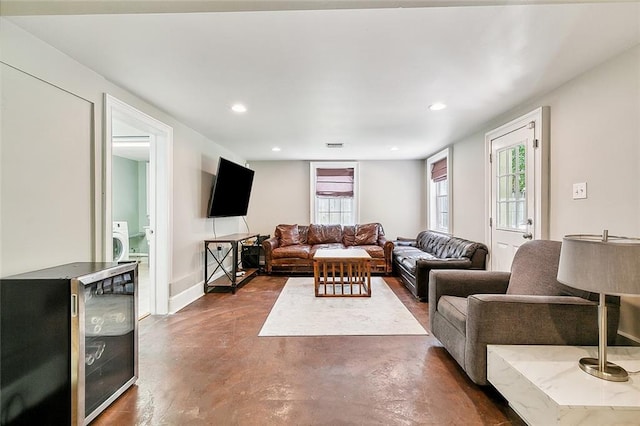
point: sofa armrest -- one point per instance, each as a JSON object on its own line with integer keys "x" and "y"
{"x": 388, "y": 247}
{"x": 268, "y": 246}
{"x": 465, "y": 283}
{"x": 452, "y": 263}
{"x": 523, "y": 319}
{"x": 403, "y": 241}
{"x": 530, "y": 320}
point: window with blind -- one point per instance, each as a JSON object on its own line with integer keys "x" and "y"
{"x": 334, "y": 193}
{"x": 439, "y": 191}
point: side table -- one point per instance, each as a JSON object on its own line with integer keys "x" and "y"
{"x": 345, "y": 272}
{"x": 545, "y": 385}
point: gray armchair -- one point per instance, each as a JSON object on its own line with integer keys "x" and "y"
{"x": 528, "y": 306}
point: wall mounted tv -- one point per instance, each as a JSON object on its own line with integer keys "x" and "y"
{"x": 231, "y": 190}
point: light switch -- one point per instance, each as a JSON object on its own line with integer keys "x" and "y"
{"x": 579, "y": 190}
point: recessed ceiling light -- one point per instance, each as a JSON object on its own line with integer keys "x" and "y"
{"x": 394, "y": 148}
{"x": 238, "y": 108}
{"x": 276, "y": 149}
{"x": 437, "y": 106}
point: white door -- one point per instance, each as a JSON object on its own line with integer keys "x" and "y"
{"x": 511, "y": 202}
{"x": 517, "y": 182}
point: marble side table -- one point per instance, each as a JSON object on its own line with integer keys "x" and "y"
{"x": 545, "y": 385}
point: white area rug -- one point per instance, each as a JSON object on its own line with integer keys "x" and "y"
{"x": 297, "y": 312}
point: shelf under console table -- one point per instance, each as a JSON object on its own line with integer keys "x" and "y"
{"x": 233, "y": 276}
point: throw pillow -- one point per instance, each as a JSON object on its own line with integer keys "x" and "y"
{"x": 366, "y": 234}
{"x": 324, "y": 234}
{"x": 288, "y": 235}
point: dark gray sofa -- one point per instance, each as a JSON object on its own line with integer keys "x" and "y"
{"x": 469, "y": 310}
{"x": 414, "y": 258}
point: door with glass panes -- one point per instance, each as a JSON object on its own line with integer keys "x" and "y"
{"x": 512, "y": 194}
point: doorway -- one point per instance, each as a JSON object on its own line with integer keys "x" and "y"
{"x": 137, "y": 198}
{"x": 516, "y": 186}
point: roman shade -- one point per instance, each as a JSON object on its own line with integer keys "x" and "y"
{"x": 334, "y": 182}
{"x": 439, "y": 170}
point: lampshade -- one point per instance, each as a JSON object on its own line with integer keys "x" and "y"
{"x": 605, "y": 265}
{"x": 600, "y": 263}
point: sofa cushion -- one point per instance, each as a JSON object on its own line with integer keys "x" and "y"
{"x": 330, "y": 246}
{"x": 458, "y": 248}
{"x": 323, "y": 234}
{"x": 288, "y": 235}
{"x": 373, "y": 250}
{"x": 407, "y": 256}
{"x": 534, "y": 270}
{"x": 432, "y": 242}
{"x": 298, "y": 251}
{"x": 454, "y": 310}
{"x": 366, "y": 234}
{"x": 302, "y": 231}
{"x": 348, "y": 235}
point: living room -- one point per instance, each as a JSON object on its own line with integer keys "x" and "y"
{"x": 594, "y": 137}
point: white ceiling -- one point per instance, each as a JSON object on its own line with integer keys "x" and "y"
{"x": 363, "y": 77}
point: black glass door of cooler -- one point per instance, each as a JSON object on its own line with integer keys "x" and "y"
{"x": 109, "y": 307}
{"x": 35, "y": 384}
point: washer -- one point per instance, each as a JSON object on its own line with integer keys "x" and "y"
{"x": 120, "y": 241}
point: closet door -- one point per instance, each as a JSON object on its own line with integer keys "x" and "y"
{"x": 46, "y": 180}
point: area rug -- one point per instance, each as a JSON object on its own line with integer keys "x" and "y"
{"x": 297, "y": 312}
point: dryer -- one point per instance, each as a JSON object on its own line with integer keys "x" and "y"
{"x": 120, "y": 241}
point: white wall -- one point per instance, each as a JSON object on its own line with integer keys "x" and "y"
{"x": 194, "y": 165}
{"x": 391, "y": 192}
{"x": 394, "y": 194}
{"x": 280, "y": 194}
{"x": 594, "y": 138}
{"x": 40, "y": 63}
{"x": 468, "y": 190}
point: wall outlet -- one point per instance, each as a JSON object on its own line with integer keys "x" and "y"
{"x": 579, "y": 190}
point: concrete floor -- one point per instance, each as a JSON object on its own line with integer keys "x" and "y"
{"x": 206, "y": 365}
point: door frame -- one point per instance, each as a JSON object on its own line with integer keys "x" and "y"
{"x": 540, "y": 118}
{"x": 161, "y": 138}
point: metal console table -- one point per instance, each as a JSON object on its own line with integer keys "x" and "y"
{"x": 234, "y": 276}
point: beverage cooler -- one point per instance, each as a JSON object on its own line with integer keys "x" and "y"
{"x": 68, "y": 342}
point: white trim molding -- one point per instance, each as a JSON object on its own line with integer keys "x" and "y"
{"x": 430, "y": 186}
{"x": 161, "y": 138}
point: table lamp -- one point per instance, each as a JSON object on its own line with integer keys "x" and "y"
{"x": 606, "y": 265}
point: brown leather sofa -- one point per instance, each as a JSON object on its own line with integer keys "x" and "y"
{"x": 414, "y": 258}
{"x": 292, "y": 247}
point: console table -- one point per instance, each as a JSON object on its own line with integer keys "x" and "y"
{"x": 233, "y": 276}
{"x": 545, "y": 385}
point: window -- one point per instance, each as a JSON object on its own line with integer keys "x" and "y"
{"x": 439, "y": 191}
{"x": 334, "y": 193}
{"x": 511, "y": 184}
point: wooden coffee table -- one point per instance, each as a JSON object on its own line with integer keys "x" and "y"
{"x": 342, "y": 273}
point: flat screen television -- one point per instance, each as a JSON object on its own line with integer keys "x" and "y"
{"x": 231, "y": 190}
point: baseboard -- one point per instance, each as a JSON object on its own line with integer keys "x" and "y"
{"x": 186, "y": 297}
